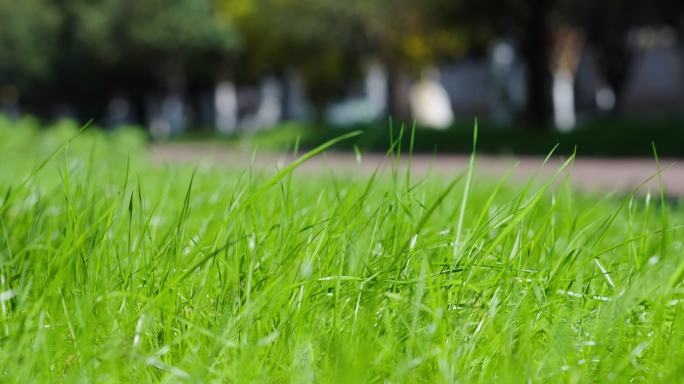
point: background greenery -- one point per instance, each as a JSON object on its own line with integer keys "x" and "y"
{"x": 84, "y": 52}
{"x": 601, "y": 137}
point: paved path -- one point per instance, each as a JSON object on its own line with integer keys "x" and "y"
{"x": 591, "y": 174}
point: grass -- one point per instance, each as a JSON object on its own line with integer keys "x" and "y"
{"x": 115, "y": 269}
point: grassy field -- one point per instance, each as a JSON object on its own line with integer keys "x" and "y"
{"x": 113, "y": 269}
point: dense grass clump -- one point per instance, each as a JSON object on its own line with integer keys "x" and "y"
{"x": 113, "y": 269}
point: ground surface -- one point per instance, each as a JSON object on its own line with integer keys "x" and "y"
{"x": 591, "y": 174}
{"x": 114, "y": 268}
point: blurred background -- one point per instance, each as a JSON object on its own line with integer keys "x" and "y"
{"x": 606, "y": 75}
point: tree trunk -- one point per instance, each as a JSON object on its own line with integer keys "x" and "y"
{"x": 398, "y": 93}
{"x": 536, "y": 52}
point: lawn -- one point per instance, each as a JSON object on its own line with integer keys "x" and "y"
{"x": 116, "y": 269}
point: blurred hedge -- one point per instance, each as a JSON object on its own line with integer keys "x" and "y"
{"x": 592, "y": 138}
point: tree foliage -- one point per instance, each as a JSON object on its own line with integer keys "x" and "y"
{"x": 28, "y": 39}
{"x": 65, "y": 47}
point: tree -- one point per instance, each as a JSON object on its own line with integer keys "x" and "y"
{"x": 328, "y": 41}
{"x": 28, "y": 42}
{"x": 317, "y": 38}
{"x": 161, "y": 39}
{"x": 82, "y": 50}
{"x": 608, "y": 24}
